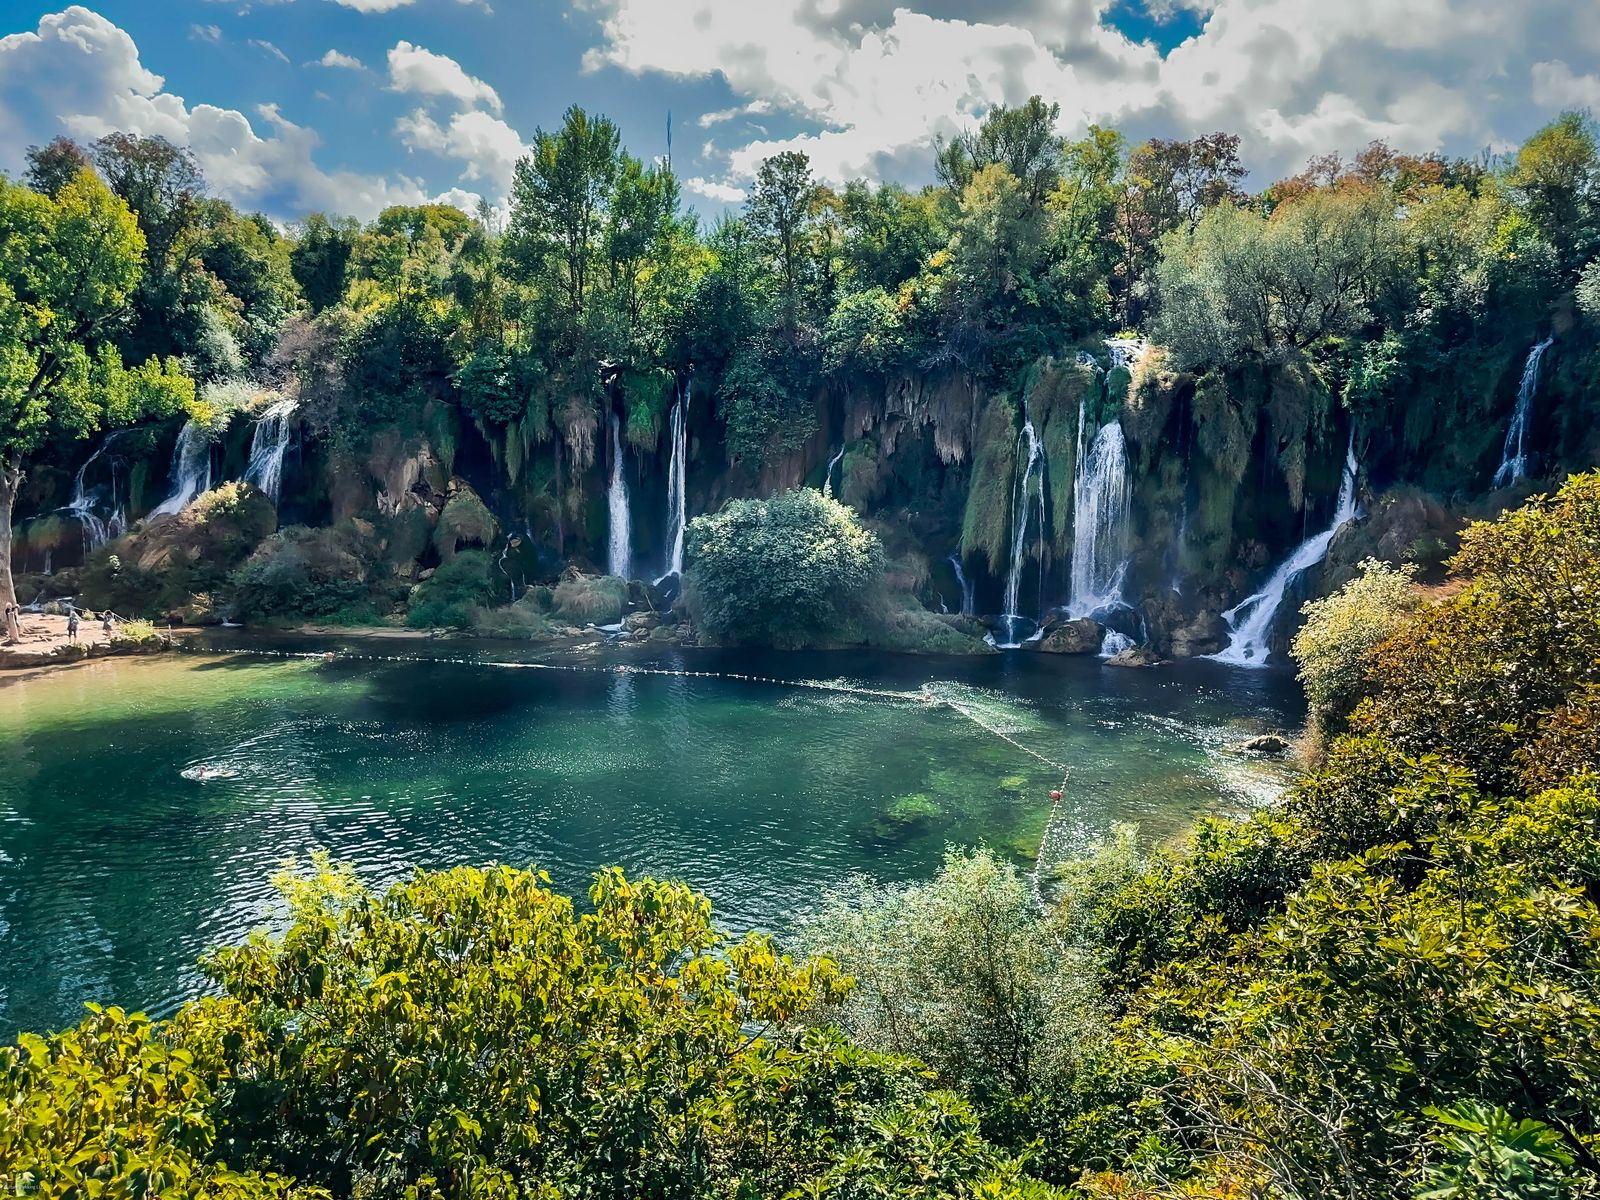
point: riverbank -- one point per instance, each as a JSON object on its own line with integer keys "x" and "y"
{"x": 46, "y": 643}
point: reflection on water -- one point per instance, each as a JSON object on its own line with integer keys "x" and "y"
{"x": 145, "y": 804}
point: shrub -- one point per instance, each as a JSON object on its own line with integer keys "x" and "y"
{"x": 590, "y": 599}
{"x": 463, "y": 520}
{"x": 962, "y": 973}
{"x": 1489, "y": 676}
{"x": 300, "y": 572}
{"x": 1341, "y": 631}
{"x": 783, "y": 572}
{"x": 451, "y": 596}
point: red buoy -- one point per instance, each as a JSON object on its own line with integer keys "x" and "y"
{"x": 1055, "y": 797}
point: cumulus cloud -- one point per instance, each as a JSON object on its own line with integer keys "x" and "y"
{"x": 414, "y": 69}
{"x": 346, "y": 62}
{"x": 1555, "y": 84}
{"x": 726, "y": 193}
{"x": 374, "y": 6}
{"x": 80, "y": 74}
{"x": 485, "y": 145}
{"x": 877, "y": 81}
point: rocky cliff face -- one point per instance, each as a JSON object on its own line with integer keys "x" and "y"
{"x": 994, "y": 490}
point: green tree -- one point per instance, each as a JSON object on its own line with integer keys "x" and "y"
{"x": 781, "y": 571}
{"x": 559, "y": 200}
{"x": 1274, "y": 287}
{"x": 68, "y": 267}
{"x": 1557, "y": 172}
{"x": 779, "y": 213}
{"x": 1023, "y": 140}
{"x": 320, "y": 258}
{"x": 51, "y": 167}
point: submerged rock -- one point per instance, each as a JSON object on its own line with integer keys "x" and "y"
{"x": 1134, "y": 656}
{"x": 1263, "y": 745}
{"x": 1082, "y": 636}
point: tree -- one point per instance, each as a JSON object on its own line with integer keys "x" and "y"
{"x": 161, "y": 183}
{"x": 320, "y": 258}
{"x": 779, "y": 571}
{"x": 1588, "y": 290}
{"x": 559, "y": 200}
{"x": 68, "y": 267}
{"x": 778, "y": 213}
{"x": 1557, "y": 171}
{"x": 637, "y": 227}
{"x": 53, "y": 166}
{"x": 1023, "y": 140}
{"x": 1239, "y": 281}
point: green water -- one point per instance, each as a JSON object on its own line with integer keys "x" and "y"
{"x": 117, "y": 868}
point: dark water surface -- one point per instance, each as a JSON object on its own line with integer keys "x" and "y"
{"x": 117, "y": 869}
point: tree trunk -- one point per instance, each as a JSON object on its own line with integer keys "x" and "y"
{"x": 10, "y": 481}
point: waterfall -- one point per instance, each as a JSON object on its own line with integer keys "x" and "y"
{"x": 191, "y": 468}
{"x": 968, "y": 593}
{"x": 827, "y": 480}
{"x": 1100, "y": 505}
{"x": 677, "y": 473}
{"x": 1514, "y": 457}
{"x": 96, "y": 531}
{"x": 1114, "y": 643}
{"x": 1250, "y": 621}
{"x": 268, "y": 445}
{"x": 1022, "y": 511}
{"x": 621, "y": 550}
{"x": 1125, "y": 351}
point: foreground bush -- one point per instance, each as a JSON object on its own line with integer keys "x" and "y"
{"x": 782, "y": 572}
{"x": 470, "y": 1033}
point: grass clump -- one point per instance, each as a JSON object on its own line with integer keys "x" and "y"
{"x": 590, "y": 599}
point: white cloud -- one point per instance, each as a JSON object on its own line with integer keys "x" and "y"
{"x": 487, "y": 147}
{"x": 205, "y": 33}
{"x": 347, "y": 62}
{"x": 374, "y": 6}
{"x": 755, "y": 107}
{"x": 727, "y": 193}
{"x": 268, "y": 48}
{"x": 414, "y": 69}
{"x": 876, "y": 81}
{"x": 80, "y": 74}
{"x": 1557, "y": 86}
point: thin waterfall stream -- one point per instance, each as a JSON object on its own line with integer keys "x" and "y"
{"x": 1250, "y": 621}
{"x": 1514, "y": 455}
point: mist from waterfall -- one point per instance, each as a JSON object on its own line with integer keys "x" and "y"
{"x": 620, "y": 551}
{"x": 1029, "y": 496}
{"x": 1514, "y": 456}
{"x": 1250, "y": 621}
{"x": 677, "y": 485}
{"x": 268, "y": 445}
{"x": 1101, "y": 496}
{"x": 191, "y": 468}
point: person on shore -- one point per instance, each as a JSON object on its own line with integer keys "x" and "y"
{"x": 72, "y": 625}
{"x": 107, "y": 619}
{"x": 11, "y": 623}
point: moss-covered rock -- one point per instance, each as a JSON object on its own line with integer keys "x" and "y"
{"x": 590, "y": 599}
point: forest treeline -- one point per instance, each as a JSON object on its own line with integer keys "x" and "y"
{"x": 1393, "y": 291}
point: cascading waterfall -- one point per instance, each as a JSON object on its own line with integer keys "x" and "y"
{"x": 1514, "y": 457}
{"x": 620, "y": 553}
{"x": 968, "y": 589}
{"x": 677, "y": 491}
{"x": 97, "y": 531}
{"x": 1250, "y": 621}
{"x": 827, "y": 480}
{"x": 1101, "y": 494}
{"x": 191, "y": 468}
{"x": 1022, "y": 510}
{"x": 268, "y": 445}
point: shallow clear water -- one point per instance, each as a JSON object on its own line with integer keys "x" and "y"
{"x": 117, "y": 869}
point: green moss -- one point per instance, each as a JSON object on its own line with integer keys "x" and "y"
{"x": 590, "y": 599}
{"x": 1224, "y": 427}
{"x": 986, "y": 525}
{"x": 464, "y": 520}
{"x": 647, "y": 398}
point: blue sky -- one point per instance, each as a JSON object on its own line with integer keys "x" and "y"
{"x": 294, "y": 105}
